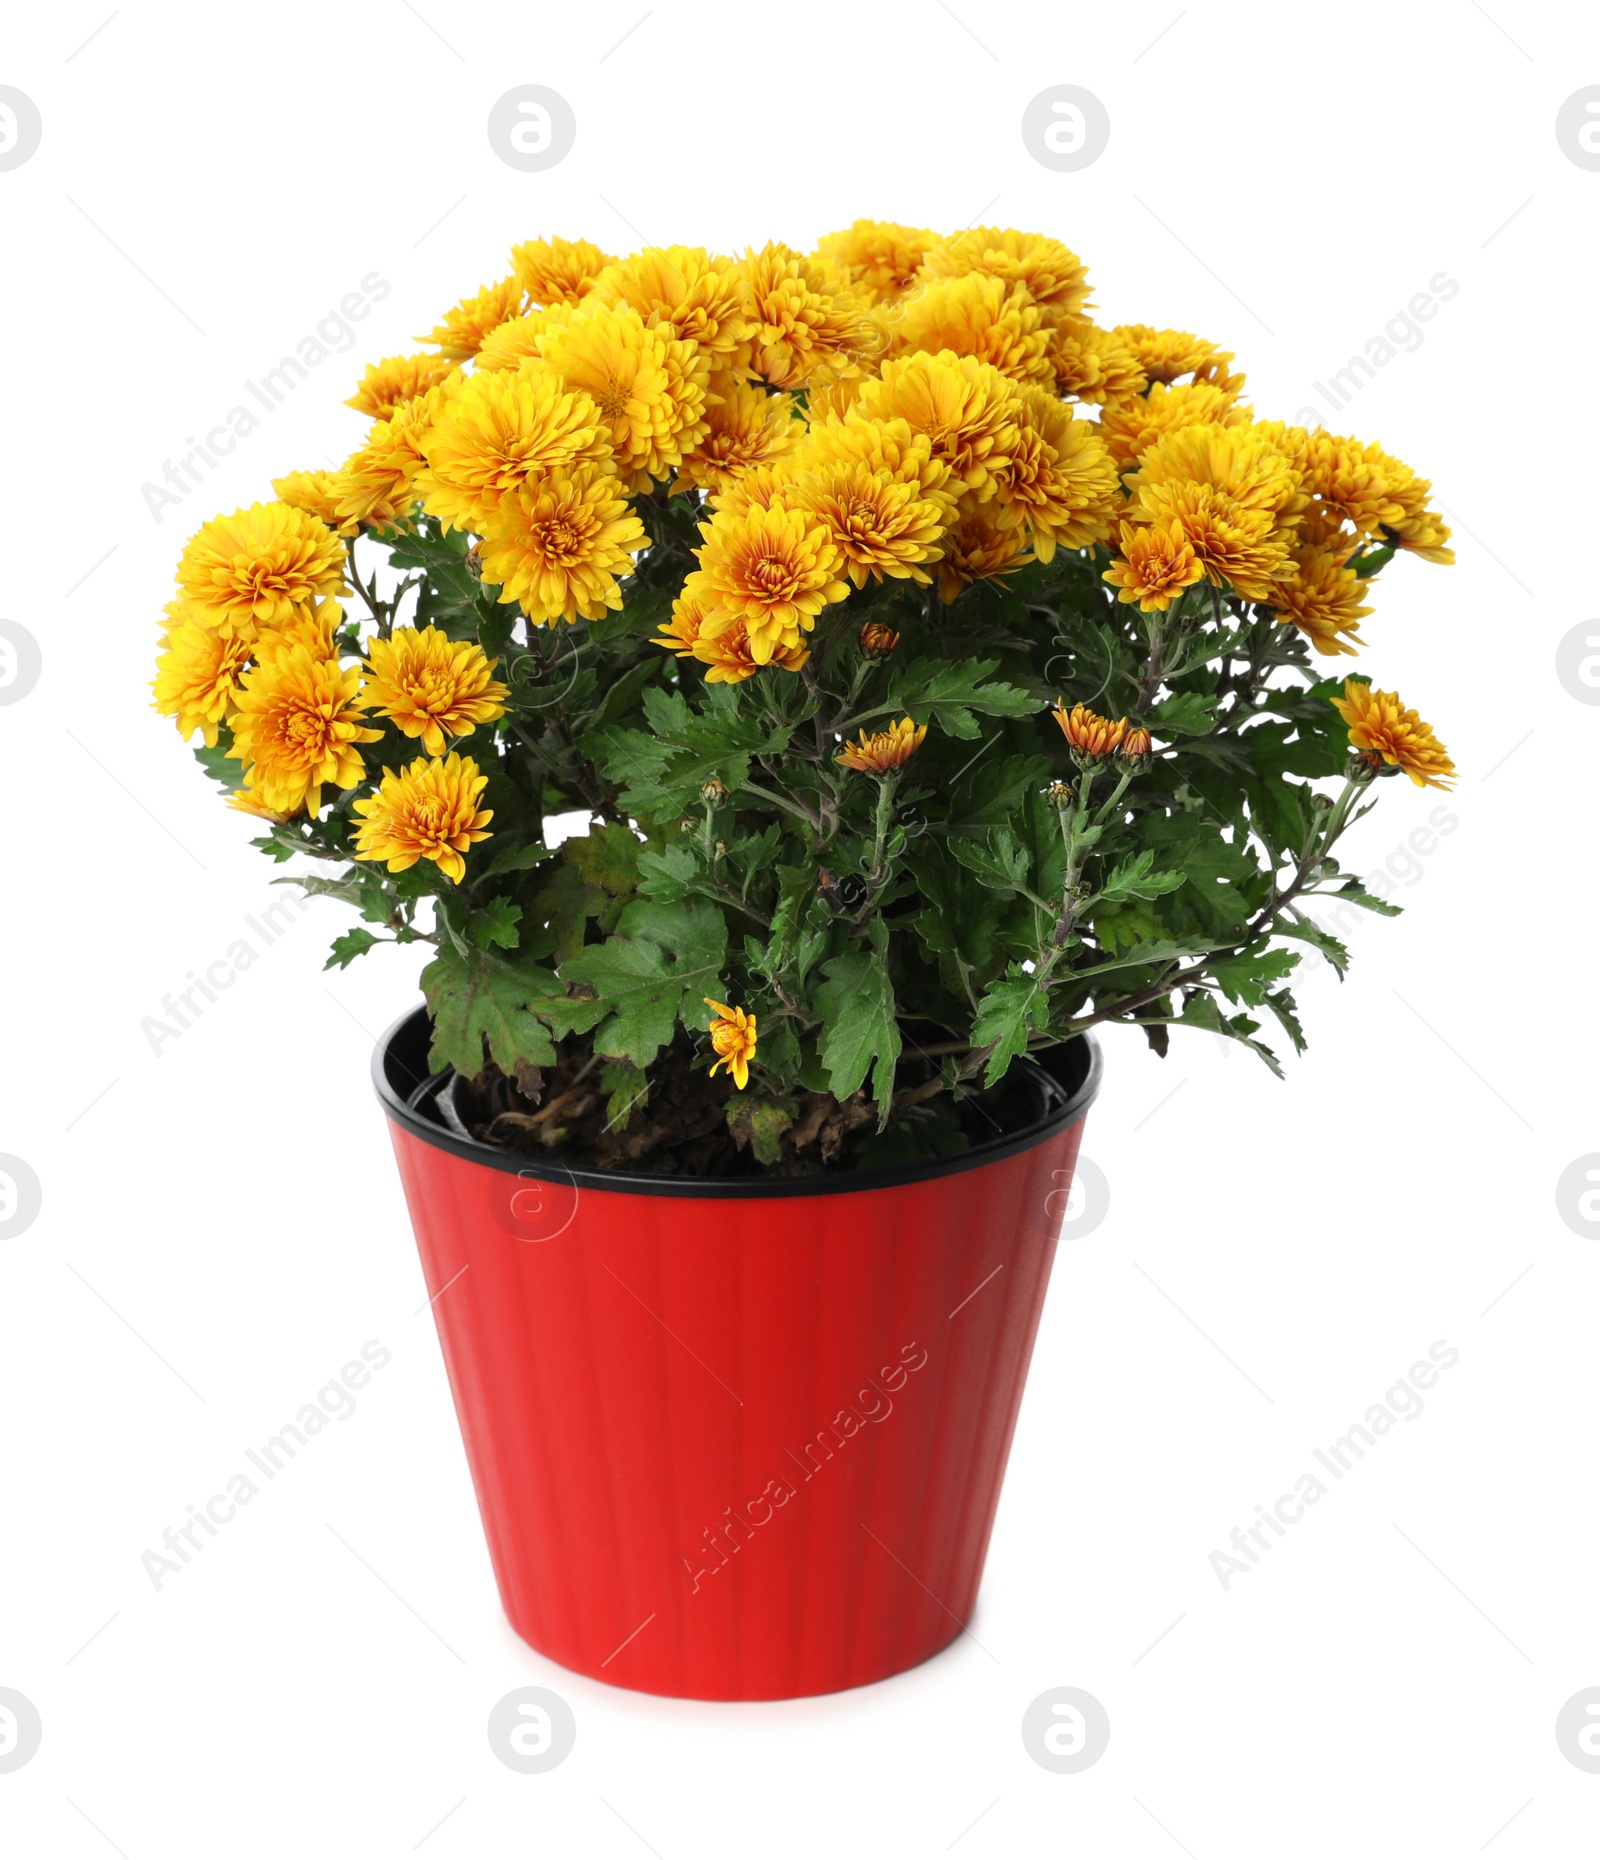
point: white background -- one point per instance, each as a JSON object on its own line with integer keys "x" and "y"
{"x": 222, "y": 1225}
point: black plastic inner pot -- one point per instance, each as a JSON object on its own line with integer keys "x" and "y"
{"x": 1065, "y": 1080}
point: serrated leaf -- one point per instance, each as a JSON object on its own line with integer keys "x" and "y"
{"x": 607, "y": 856}
{"x": 1355, "y": 893}
{"x": 1007, "y": 1014}
{"x": 861, "y": 1033}
{"x": 495, "y": 923}
{"x": 1184, "y": 713}
{"x": 351, "y": 944}
{"x": 657, "y": 969}
{"x": 997, "y": 859}
{"x": 950, "y": 692}
{"x": 1135, "y": 877}
{"x": 478, "y": 1000}
{"x": 1245, "y": 979}
{"x": 515, "y": 859}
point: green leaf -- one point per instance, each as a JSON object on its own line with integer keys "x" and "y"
{"x": 351, "y": 944}
{"x": 624, "y": 1085}
{"x": 1007, "y": 1014}
{"x": 659, "y": 967}
{"x": 1296, "y": 924}
{"x": 1354, "y": 893}
{"x": 861, "y": 1033}
{"x": 495, "y": 923}
{"x": 761, "y": 1123}
{"x": 1184, "y": 713}
{"x": 480, "y": 1000}
{"x": 607, "y": 856}
{"x": 216, "y": 761}
{"x": 516, "y": 859}
{"x": 998, "y": 860}
{"x": 1245, "y": 979}
{"x": 948, "y": 693}
{"x": 1134, "y": 877}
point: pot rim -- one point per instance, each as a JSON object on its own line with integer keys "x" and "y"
{"x": 402, "y": 1087}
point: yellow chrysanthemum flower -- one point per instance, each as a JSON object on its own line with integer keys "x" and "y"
{"x": 377, "y": 484}
{"x": 431, "y": 686}
{"x": 1129, "y": 425}
{"x": 560, "y": 545}
{"x": 876, "y": 258}
{"x": 1154, "y": 567}
{"x": 427, "y": 811}
{"x": 721, "y": 643}
{"x": 803, "y": 323}
{"x": 558, "y": 271}
{"x": 773, "y": 569}
{"x": 986, "y": 543}
{"x": 1170, "y": 354}
{"x": 296, "y": 730}
{"x": 745, "y": 427}
{"x": 879, "y": 524}
{"x": 980, "y": 316}
{"x": 964, "y": 408}
{"x": 516, "y": 342}
{"x": 733, "y": 1039}
{"x": 245, "y": 800}
{"x": 1388, "y": 734}
{"x": 763, "y": 487}
{"x": 500, "y": 432}
{"x": 1090, "y": 737}
{"x": 1093, "y": 364}
{"x": 460, "y": 332}
{"x": 316, "y": 493}
{"x": 1358, "y": 484}
{"x": 885, "y": 751}
{"x": 398, "y": 378}
{"x": 257, "y": 568}
{"x": 650, "y": 388}
{"x": 197, "y": 676}
{"x": 314, "y": 628}
{"x": 1323, "y": 599}
{"x": 1061, "y": 480}
{"x": 1051, "y": 275}
{"x": 684, "y": 290}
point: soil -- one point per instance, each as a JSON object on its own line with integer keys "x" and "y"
{"x": 692, "y": 1124}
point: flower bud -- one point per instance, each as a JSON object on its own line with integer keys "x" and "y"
{"x": 475, "y": 561}
{"x": 1137, "y": 750}
{"x": 713, "y": 794}
{"x": 876, "y": 640}
{"x": 1059, "y": 794}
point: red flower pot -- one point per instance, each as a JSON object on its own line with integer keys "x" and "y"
{"x": 736, "y": 1439}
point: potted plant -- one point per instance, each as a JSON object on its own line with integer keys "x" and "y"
{"x": 936, "y": 674}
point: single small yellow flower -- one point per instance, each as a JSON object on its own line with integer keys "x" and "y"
{"x": 296, "y": 730}
{"x": 558, "y": 271}
{"x": 720, "y": 642}
{"x": 314, "y": 628}
{"x": 245, "y": 800}
{"x": 431, "y": 686}
{"x": 876, "y": 640}
{"x": 1052, "y": 275}
{"x": 396, "y": 379}
{"x": 684, "y": 290}
{"x": 886, "y": 750}
{"x": 1155, "y": 566}
{"x": 1091, "y": 738}
{"x": 879, "y": 524}
{"x": 733, "y": 1039}
{"x": 460, "y": 332}
{"x": 965, "y": 408}
{"x": 773, "y": 569}
{"x": 745, "y": 428}
{"x": 257, "y": 568}
{"x": 427, "y": 811}
{"x": 561, "y": 544}
{"x": 877, "y": 258}
{"x": 1136, "y": 747}
{"x": 805, "y": 326}
{"x": 378, "y": 483}
{"x": 980, "y": 316}
{"x": 1169, "y": 354}
{"x": 316, "y": 493}
{"x": 1387, "y": 733}
{"x": 987, "y": 543}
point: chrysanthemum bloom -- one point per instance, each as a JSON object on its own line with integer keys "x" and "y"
{"x": 431, "y": 685}
{"x": 1093, "y": 364}
{"x": 886, "y": 750}
{"x": 1387, "y": 733}
{"x": 460, "y": 333}
{"x": 744, "y": 428}
{"x": 963, "y": 407}
{"x": 559, "y": 546}
{"x": 876, "y": 258}
{"x": 314, "y": 492}
{"x": 1323, "y": 600}
{"x": 516, "y": 341}
{"x": 684, "y": 290}
{"x": 245, "y": 800}
{"x": 876, "y": 640}
{"x": 1052, "y": 276}
{"x": 986, "y": 543}
{"x": 801, "y": 320}
{"x": 1136, "y": 748}
{"x": 197, "y": 675}
{"x": 558, "y": 271}
{"x": 398, "y": 378}
{"x": 887, "y": 447}
{"x": 650, "y": 388}
{"x": 428, "y": 811}
{"x": 975, "y": 315}
{"x": 378, "y": 482}
{"x": 733, "y": 1039}
{"x": 762, "y": 487}
{"x": 1170, "y": 354}
{"x": 500, "y": 432}
{"x": 314, "y": 628}
{"x": 296, "y": 730}
{"x": 1156, "y": 564}
{"x": 719, "y": 642}
{"x": 1061, "y": 480}
{"x": 1419, "y": 530}
{"x": 256, "y": 567}
{"x": 1130, "y": 425}
{"x": 1090, "y": 737}
{"x": 773, "y": 569}
{"x": 879, "y": 525}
